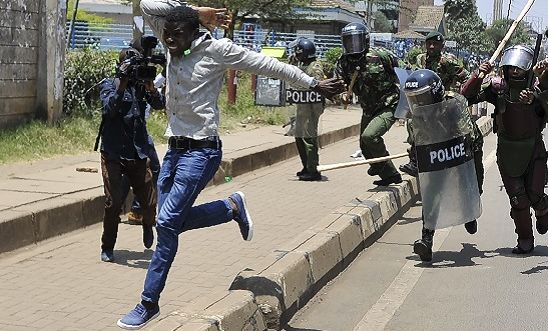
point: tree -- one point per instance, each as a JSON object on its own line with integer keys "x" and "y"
{"x": 136, "y": 12}
{"x": 382, "y": 24}
{"x": 465, "y": 25}
{"x": 265, "y": 10}
{"x": 497, "y": 31}
{"x": 82, "y": 15}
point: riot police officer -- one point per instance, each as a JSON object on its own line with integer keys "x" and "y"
{"x": 521, "y": 154}
{"x": 451, "y": 72}
{"x": 439, "y": 117}
{"x": 369, "y": 73}
{"x": 308, "y": 114}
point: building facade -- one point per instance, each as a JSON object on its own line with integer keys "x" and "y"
{"x": 408, "y": 12}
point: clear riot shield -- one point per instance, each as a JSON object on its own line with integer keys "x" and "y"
{"x": 306, "y": 121}
{"x": 447, "y": 175}
{"x": 402, "y": 111}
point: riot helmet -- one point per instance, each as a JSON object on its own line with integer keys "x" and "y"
{"x": 423, "y": 87}
{"x": 304, "y": 49}
{"x": 355, "y": 38}
{"x": 518, "y": 56}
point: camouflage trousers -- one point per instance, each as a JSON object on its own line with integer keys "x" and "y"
{"x": 372, "y": 128}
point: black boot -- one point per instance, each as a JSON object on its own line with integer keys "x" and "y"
{"x": 374, "y": 170}
{"x": 471, "y": 227}
{"x": 542, "y": 228}
{"x": 301, "y": 172}
{"x": 411, "y": 168}
{"x": 423, "y": 246}
{"x": 311, "y": 176}
{"x": 524, "y": 246}
{"x": 542, "y": 222}
{"x": 396, "y": 179}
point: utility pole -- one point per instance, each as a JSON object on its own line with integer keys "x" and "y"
{"x": 138, "y": 24}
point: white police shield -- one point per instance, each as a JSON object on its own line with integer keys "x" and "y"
{"x": 306, "y": 122}
{"x": 402, "y": 111}
{"x": 447, "y": 175}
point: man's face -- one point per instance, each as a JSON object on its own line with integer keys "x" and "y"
{"x": 300, "y": 56}
{"x": 516, "y": 73}
{"x": 178, "y": 37}
{"x": 433, "y": 47}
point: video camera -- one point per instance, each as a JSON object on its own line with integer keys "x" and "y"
{"x": 140, "y": 68}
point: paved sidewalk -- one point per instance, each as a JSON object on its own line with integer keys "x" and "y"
{"x": 61, "y": 284}
{"x": 34, "y": 197}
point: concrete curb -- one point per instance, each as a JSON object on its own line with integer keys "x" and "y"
{"x": 45, "y": 219}
{"x": 237, "y": 166}
{"x": 306, "y": 264}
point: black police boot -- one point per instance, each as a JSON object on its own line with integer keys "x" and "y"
{"x": 311, "y": 176}
{"x": 423, "y": 246}
{"x": 373, "y": 171}
{"x": 541, "y": 227}
{"x": 542, "y": 223}
{"x": 396, "y": 179}
{"x": 471, "y": 227}
{"x": 524, "y": 246}
{"x": 411, "y": 168}
{"x": 301, "y": 172}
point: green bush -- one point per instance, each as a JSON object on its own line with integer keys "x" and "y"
{"x": 84, "y": 70}
{"x": 83, "y": 15}
{"x": 330, "y": 60}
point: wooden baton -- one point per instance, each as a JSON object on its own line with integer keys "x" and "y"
{"x": 509, "y": 34}
{"x": 334, "y": 166}
{"x": 352, "y": 83}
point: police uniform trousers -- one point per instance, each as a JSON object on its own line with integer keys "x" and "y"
{"x": 372, "y": 128}
{"x": 527, "y": 191}
{"x": 306, "y": 137}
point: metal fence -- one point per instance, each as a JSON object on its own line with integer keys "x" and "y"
{"x": 118, "y": 36}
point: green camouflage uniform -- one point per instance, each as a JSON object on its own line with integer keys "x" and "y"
{"x": 306, "y": 123}
{"x": 378, "y": 94}
{"x": 447, "y": 66}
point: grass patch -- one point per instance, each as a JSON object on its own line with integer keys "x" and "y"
{"x": 76, "y": 133}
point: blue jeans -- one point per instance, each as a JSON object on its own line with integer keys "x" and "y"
{"x": 183, "y": 175}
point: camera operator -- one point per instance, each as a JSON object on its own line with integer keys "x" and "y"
{"x": 125, "y": 146}
{"x": 135, "y": 215}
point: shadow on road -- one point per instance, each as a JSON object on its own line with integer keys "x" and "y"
{"x": 289, "y": 328}
{"x": 463, "y": 258}
{"x": 133, "y": 259}
{"x": 452, "y": 259}
{"x": 408, "y": 220}
{"x": 507, "y": 252}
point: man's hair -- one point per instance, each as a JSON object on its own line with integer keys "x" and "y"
{"x": 185, "y": 15}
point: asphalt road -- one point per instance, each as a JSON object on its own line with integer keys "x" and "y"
{"x": 473, "y": 283}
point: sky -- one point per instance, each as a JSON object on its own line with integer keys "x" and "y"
{"x": 539, "y": 10}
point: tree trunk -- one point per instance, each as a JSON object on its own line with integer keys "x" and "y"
{"x": 137, "y": 34}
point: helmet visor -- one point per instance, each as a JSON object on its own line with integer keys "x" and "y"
{"x": 354, "y": 43}
{"x": 517, "y": 57}
{"x": 419, "y": 97}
